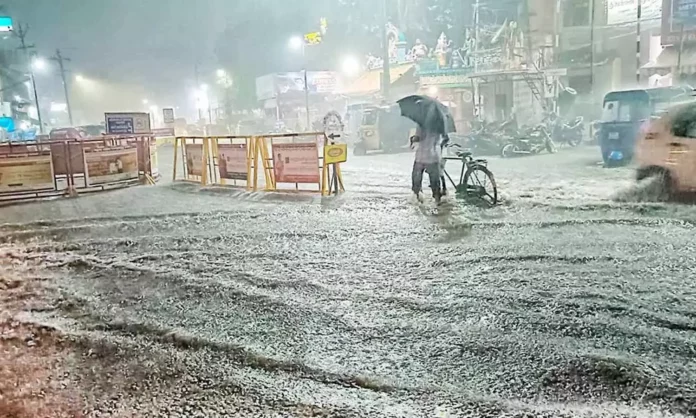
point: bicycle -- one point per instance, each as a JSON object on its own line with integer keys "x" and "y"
{"x": 475, "y": 179}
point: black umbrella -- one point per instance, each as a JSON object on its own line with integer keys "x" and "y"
{"x": 427, "y": 112}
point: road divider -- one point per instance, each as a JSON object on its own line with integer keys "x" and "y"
{"x": 302, "y": 162}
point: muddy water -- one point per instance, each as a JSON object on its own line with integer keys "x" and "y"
{"x": 561, "y": 302}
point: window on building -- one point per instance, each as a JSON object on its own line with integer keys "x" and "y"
{"x": 576, "y": 13}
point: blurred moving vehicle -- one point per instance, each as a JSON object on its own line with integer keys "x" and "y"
{"x": 383, "y": 128}
{"x": 666, "y": 150}
{"x": 251, "y": 127}
{"x": 623, "y": 114}
{"x": 67, "y": 133}
{"x": 92, "y": 130}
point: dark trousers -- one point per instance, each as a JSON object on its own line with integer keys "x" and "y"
{"x": 433, "y": 171}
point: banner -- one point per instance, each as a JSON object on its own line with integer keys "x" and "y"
{"x": 232, "y": 161}
{"x": 194, "y": 159}
{"x": 26, "y": 173}
{"x": 296, "y": 163}
{"x": 111, "y": 165}
{"x": 620, "y": 12}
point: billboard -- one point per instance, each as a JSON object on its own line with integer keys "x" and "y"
{"x": 620, "y": 12}
{"x": 232, "y": 161}
{"x": 676, "y": 13}
{"x": 26, "y": 173}
{"x": 296, "y": 163}
{"x": 270, "y": 85}
{"x": 109, "y": 165}
{"x": 127, "y": 123}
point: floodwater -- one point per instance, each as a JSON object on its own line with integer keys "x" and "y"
{"x": 564, "y": 301}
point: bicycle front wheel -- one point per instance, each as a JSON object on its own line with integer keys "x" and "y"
{"x": 480, "y": 183}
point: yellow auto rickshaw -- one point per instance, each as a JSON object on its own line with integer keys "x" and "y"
{"x": 383, "y": 128}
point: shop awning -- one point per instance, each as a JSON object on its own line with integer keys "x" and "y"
{"x": 669, "y": 59}
{"x": 371, "y": 81}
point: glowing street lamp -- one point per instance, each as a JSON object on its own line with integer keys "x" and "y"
{"x": 350, "y": 66}
{"x": 80, "y": 78}
{"x": 38, "y": 64}
{"x": 296, "y": 43}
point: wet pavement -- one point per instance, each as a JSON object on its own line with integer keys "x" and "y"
{"x": 573, "y": 298}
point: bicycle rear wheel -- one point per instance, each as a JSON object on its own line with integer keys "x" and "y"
{"x": 480, "y": 183}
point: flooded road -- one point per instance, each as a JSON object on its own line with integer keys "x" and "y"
{"x": 561, "y": 302}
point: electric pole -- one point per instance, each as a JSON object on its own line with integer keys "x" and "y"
{"x": 21, "y": 33}
{"x": 60, "y": 59}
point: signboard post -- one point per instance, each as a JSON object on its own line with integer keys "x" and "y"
{"x": 168, "y": 115}
{"x": 127, "y": 123}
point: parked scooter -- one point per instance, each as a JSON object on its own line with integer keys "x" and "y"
{"x": 531, "y": 142}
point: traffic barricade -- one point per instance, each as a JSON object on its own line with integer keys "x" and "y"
{"x": 300, "y": 159}
{"x": 233, "y": 162}
{"x": 53, "y": 168}
{"x": 195, "y": 159}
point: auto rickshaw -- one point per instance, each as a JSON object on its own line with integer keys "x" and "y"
{"x": 383, "y": 128}
{"x": 626, "y": 112}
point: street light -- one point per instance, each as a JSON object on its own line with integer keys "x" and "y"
{"x": 38, "y": 64}
{"x": 350, "y": 66}
{"x": 79, "y": 78}
{"x": 297, "y": 43}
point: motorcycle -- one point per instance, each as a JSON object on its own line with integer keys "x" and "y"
{"x": 566, "y": 133}
{"x": 533, "y": 141}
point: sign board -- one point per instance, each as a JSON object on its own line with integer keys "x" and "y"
{"x": 26, "y": 173}
{"x": 232, "y": 161}
{"x": 109, "y": 165}
{"x": 163, "y": 132}
{"x": 676, "y": 13}
{"x": 168, "y": 115}
{"x": 296, "y": 163}
{"x": 622, "y": 12}
{"x": 336, "y": 153}
{"x": 6, "y": 24}
{"x": 127, "y": 123}
{"x": 313, "y": 38}
{"x": 194, "y": 159}
{"x": 556, "y": 72}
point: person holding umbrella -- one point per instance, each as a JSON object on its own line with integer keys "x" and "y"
{"x": 434, "y": 123}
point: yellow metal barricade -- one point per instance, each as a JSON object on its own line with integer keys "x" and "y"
{"x": 195, "y": 155}
{"x": 302, "y": 159}
{"x": 299, "y": 160}
{"x": 233, "y": 162}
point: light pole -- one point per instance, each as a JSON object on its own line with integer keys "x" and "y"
{"x": 298, "y": 43}
{"x": 38, "y": 64}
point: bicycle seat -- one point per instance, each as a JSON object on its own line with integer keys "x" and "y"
{"x": 463, "y": 154}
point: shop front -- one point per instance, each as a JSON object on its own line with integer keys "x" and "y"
{"x": 452, "y": 87}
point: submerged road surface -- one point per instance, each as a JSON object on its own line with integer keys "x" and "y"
{"x": 563, "y": 302}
